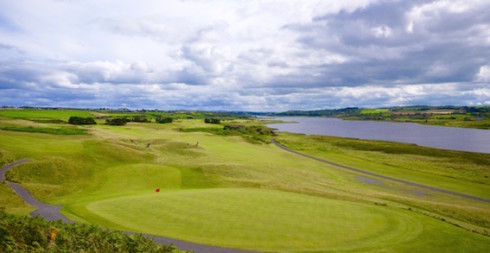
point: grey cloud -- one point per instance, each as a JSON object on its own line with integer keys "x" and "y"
{"x": 402, "y": 56}
{"x": 362, "y": 57}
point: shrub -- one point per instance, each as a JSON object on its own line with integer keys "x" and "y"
{"x": 142, "y": 119}
{"x": 165, "y": 120}
{"x": 35, "y": 234}
{"x": 74, "y": 120}
{"x": 116, "y": 121}
{"x": 212, "y": 121}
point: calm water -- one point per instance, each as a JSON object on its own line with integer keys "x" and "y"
{"x": 466, "y": 139}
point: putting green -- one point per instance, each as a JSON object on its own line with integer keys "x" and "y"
{"x": 260, "y": 219}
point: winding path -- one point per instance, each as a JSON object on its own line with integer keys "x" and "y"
{"x": 49, "y": 212}
{"x": 382, "y": 176}
{"x": 52, "y": 213}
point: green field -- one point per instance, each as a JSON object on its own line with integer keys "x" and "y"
{"x": 43, "y": 114}
{"x": 232, "y": 191}
{"x": 374, "y": 111}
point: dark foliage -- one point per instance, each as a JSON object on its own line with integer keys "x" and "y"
{"x": 46, "y": 130}
{"x": 165, "y": 120}
{"x": 141, "y": 119}
{"x": 212, "y": 121}
{"x": 35, "y": 234}
{"x": 116, "y": 121}
{"x": 81, "y": 121}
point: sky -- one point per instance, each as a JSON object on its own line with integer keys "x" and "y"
{"x": 234, "y": 55}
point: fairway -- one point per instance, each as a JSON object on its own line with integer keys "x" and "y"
{"x": 259, "y": 219}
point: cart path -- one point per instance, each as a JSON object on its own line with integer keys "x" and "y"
{"x": 381, "y": 176}
{"x": 48, "y": 212}
{"x": 52, "y": 213}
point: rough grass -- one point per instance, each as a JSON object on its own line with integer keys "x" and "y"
{"x": 10, "y": 202}
{"x": 46, "y": 130}
{"x": 43, "y": 114}
{"x": 6, "y": 157}
{"x": 457, "y": 171}
{"x": 462, "y": 171}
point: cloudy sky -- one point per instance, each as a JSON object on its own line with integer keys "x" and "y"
{"x": 268, "y": 55}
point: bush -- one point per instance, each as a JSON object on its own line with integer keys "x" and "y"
{"x": 240, "y": 128}
{"x": 141, "y": 119}
{"x": 81, "y": 121}
{"x": 116, "y": 121}
{"x": 35, "y": 234}
{"x": 253, "y": 130}
{"x": 212, "y": 121}
{"x": 165, "y": 120}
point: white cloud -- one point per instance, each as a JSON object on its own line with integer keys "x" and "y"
{"x": 382, "y": 31}
{"x": 483, "y": 74}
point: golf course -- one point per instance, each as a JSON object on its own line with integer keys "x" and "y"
{"x": 238, "y": 185}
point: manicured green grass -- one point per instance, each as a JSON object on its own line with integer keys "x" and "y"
{"x": 274, "y": 221}
{"x": 230, "y": 192}
{"x": 259, "y": 219}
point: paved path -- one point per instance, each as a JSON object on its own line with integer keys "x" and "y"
{"x": 52, "y": 213}
{"x": 382, "y": 176}
{"x": 49, "y": 212}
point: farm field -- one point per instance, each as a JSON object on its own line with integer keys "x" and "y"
{"x": 235, "y": 191}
